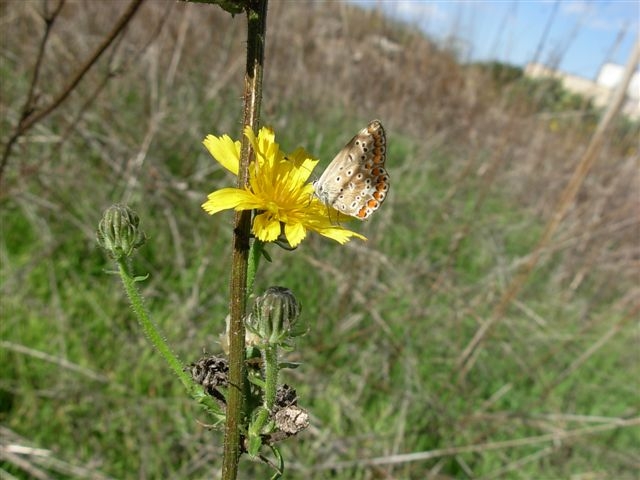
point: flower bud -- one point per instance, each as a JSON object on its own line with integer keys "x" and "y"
{"x": 275, "y": 316}
{"x": 118, "y": 231}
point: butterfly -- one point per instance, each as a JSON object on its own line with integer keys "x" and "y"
{"x": 355, "y": 182}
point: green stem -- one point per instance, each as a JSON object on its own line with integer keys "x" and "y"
{"x": 270, "y": 375}
{"x": 255, "y": 253}
{"x": 270, "y": 357}
{"x": 196, "y": 391}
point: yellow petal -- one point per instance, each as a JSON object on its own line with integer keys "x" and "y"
{"x": 250, "y": 135}
{"x": 295, "y": 233}
{"x": 304, "y": 163}
{"x": 266, "y": 227}
{"x": 225, "y": 151}
{"x": 278, "y": 189}
{"x": 267, "y": 134}
{"x": 227, "y": 198}
{"x": 264, "y": 145}
{"x": 340, "y": 235}
{"x": 304, "y": 171}
{"x": 248, "y": 132}
{"x": 330, "y": 230}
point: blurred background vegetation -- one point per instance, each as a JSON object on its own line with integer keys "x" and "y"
{"x": 478, "y": 156}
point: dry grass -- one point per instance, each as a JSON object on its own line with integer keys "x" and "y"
{"x": 476, "y": 175}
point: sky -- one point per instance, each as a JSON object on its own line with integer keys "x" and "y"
{"x": 580, "y": 35}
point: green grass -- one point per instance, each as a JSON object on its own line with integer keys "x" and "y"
{"x": 389, "y": 318}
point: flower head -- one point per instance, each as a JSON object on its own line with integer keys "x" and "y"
{"x": 275, "y": 317}
{"x": 278, "y": 190}
{"x": 119, "y": 231}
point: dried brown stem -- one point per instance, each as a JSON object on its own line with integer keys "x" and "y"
{"x": 467, "y": 358}
{"x": 558, "y": 436}
{"x": 30, "y": 116}
{"x": 257, "y": 20}
{"x": 113, "y": 71}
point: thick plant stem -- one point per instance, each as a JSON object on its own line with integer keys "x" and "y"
{"x": 256, "y": 19}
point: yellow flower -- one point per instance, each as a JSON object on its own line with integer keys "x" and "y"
{"x": 278, "y": 190}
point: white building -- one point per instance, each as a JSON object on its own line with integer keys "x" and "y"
{"x": 601, "y": 90}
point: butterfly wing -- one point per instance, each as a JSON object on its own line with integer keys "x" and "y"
{"x": 355, "y": 182}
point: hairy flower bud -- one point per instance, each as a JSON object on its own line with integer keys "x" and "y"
{"x": 275, "y": 316}
{"x": 119, "y": 232}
